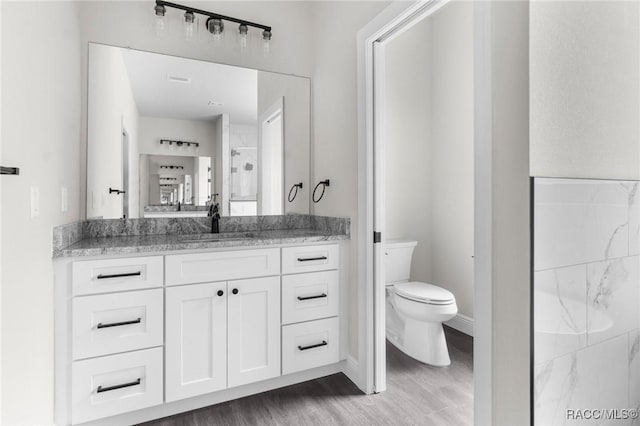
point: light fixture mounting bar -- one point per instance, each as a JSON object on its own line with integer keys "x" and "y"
{"x": 212, "y": 15}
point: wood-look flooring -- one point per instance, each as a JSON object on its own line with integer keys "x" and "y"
{"x": 416, "y": 394}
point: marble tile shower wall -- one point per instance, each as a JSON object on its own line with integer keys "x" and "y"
{"x": 586, "y": 299}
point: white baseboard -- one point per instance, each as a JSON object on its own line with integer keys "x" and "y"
{"x": 462, "y": 323}
{"x": 352, "y": 370}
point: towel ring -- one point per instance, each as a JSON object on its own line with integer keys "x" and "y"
{"x": 324, "y": 184}
{"x": 295, "y": 186}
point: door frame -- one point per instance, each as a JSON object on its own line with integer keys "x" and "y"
{"x": 126, "y": 171}
{"x": 392, "y": 21}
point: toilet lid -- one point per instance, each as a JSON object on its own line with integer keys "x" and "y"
{"x": 426, "y": 293}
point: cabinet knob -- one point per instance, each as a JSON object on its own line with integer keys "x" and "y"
{"x": 235, "y": 291}
{"x": 220, "y": 292}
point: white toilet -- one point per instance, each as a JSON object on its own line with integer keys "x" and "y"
{"x": 415, "y": 310}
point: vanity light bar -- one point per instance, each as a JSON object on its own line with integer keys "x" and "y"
{"x": 179, "y": 143}
{"x": 172, "y": 167}
{"x": 160, "y": 4}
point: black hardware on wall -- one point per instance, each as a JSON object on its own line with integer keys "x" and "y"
{"x": 324, "y": 184}
{"x": 9, "y": 170}
{"x": 116, "y": 191}
{"x": 295, "y": 187}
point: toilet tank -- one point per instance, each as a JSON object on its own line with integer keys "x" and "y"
{"x": 397, "y": 255}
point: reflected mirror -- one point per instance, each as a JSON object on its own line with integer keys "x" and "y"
{"x": 168, "y": 136}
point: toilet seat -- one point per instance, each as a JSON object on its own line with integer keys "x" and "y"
{"x": 424, "y": 293}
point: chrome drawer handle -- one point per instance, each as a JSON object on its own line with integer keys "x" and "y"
{"x": 124, "y": 385}
{"x": 118, "y": 324}
{"x": 319, "y": 296}
{"x": 127, "y": 274}
{"x": 309, "y": 259}
{"x": 317, "y": 345}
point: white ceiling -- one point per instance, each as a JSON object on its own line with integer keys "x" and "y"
{"x": 156, "y": 96}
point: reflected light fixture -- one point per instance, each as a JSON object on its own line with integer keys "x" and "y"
{"x": 214, "y": 24}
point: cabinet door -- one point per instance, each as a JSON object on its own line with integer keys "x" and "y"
{"x": 196, "y": 340}
{"x": 254, "y": 330}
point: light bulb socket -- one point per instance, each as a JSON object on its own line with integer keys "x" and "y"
{"x": 243, "y": 29}
{"x": 160, "y": 10}
{"x": 189, "y": 17}
{"x": 266, "y": 35}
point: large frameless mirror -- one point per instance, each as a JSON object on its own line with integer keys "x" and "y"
{"x": 169, "y": 136}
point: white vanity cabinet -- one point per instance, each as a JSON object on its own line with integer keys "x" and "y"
{"x": 254, "y": 330}
{"x": 142, "y": 337}
{"x": 196, "y": 340}
{"x": 221, "y": 335}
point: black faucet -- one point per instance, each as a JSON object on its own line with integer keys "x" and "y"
{"x": 178, "y": 205}
{"x": 215, "y": 217}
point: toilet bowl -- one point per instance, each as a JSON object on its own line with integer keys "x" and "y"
{"x": 415, "y": 310}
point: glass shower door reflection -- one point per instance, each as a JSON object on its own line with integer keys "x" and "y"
{"x": 244, "y": 181}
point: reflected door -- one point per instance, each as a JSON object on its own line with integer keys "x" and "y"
{"x": 270, "y": 160}
{"x": 125, "y": 174}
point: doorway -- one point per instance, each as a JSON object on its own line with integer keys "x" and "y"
{"x": 395, "y": 20}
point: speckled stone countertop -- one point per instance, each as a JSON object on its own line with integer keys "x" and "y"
{"x": 81, "y": 240}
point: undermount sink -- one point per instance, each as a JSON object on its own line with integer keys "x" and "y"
{"x": 212, "y": 238}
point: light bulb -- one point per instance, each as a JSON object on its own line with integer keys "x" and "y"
{"x": 189, "y": 26}
{"x": 266, "y": 42}
{"x": 215, "y": 27}
{"x": 243, "y": 34}
{"x": 160, "y": 22}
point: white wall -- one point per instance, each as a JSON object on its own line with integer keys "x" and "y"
{"x": 585, "y": 91}
{"x": 297, "y": 124}
{"x": 409, "y": 145}
{"x": 130, "y": 24}
{"x": 510, "y": 269}
{"x": 112, "y": 107}
{"x": 335, "y": 122}
{"x": 429, "y": 150}
{"x": 41, "y": 135}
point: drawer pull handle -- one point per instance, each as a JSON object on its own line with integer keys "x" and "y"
{"x": 319, "y": 296}
{"x": 309, "y": 259}
{"x": 127, "y": 274}
{"x": 317, "y": 345}
{"x": 124, "y": 385}
{"x": 118, "y": 324}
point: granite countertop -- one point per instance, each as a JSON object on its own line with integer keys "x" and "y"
{"x": 168, "y": 242}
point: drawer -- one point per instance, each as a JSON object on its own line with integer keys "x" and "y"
{"x": 310, "y": 344}
{"x": 115, "y": 384}
{"x": 119, "y": 322}
{"x": 310, "y": 258}
{"x": 310, "y": 296}
{"x": 104, "y": 276}
{"x": 221, "y": 266}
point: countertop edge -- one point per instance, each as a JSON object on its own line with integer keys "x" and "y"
{"x": 179, "y": 246}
